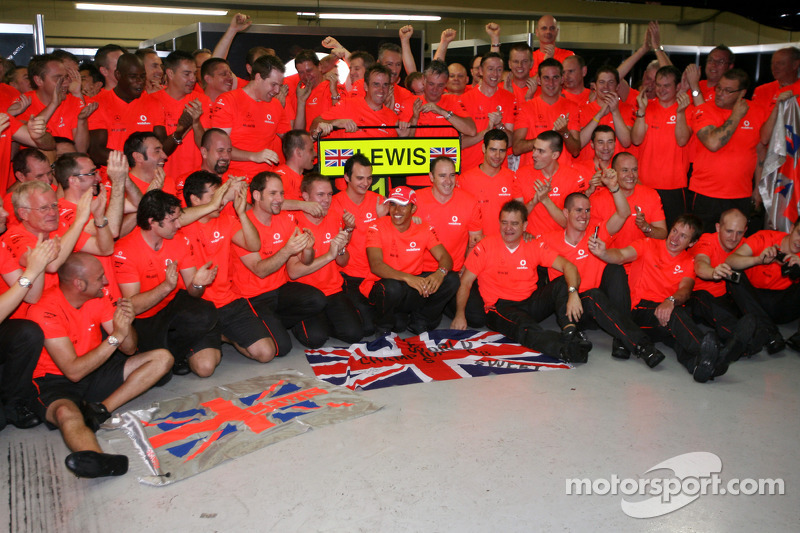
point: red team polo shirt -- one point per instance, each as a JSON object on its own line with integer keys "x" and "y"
{"x": 766, "y": 276}
{"x": 655, "y": 274}
{"x": 327, "y": 279}
{"x": 452, "y": 221}
{"x": 645, "y": 197}
{"x": 709, "y": 245}
{"x": 728, "y": 172}
{"x": 273, "y": 237}
{"x": 64, "y": 119}
{"x": 212, "y": 241}
{"x": 6, "y": 175}
{"x": 357, "y": 110}
{"x": 589, "y": 110}
{"x": 404, "y": 251}
{"x": 662, "y": 163}
{"x": 291, "y": 182}
{"x": 478, "y": 106}
{"x": 365, "y": 213}
{"x": 318, "y": 102}
{"x": 57, "y": 318}
{"x": 589, "y": 266}
{"x": 491, "y": 193}
{"x": 186, "y": 156}
{"x": 766, "y": 95}
{"x": 580, "y": 98}
{"x": 506, "y": 274}
{"x": 537, "y": 116}
{"x": 121, "y": 119}
{"x": 136, "y": 262}
{"x": 566, "y": 181}
{"x": 559, "y": 54}
{"x": 403, "y": 98}
{"x": 254, "y": 126}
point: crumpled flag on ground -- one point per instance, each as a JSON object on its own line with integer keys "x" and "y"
{"x": 184, "y": 436}
{"x": 433, "y": 356}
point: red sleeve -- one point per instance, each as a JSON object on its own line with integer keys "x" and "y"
{"x": 223, "y": 114}
{"x": 373, "y": 236}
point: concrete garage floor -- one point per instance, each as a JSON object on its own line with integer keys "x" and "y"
{"x": 485, "y": 454}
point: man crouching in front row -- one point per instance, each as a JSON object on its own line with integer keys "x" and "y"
{"x": 82, "y": 378}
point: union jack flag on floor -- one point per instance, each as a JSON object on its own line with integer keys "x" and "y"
{"x": 450, "y": 151}
{"x": 184, "y": 436}
{"x": 434, "y": 356}
{"x": 337, "y": 158}
{"x": 780, "y": 181}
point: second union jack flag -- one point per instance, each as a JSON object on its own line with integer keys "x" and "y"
{"x": 337, "y": 158}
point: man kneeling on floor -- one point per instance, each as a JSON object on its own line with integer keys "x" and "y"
{"x": 82, "y": 378}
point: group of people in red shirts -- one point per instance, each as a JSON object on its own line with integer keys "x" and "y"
{"x": 147, "y": 222}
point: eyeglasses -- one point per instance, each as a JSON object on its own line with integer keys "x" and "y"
{"x": 92, "y": 173}
{"x": 41, "y": 210}
{"x": 727, "y": 91}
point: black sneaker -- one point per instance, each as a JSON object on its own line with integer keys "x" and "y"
{"x": 775, "y": 343}
{"x": 92, "y": 464}
{"x": 181, "y": 367}
{"x": 22, "y": 416}
{"x": 94, "y": 414}
{"x": 649, "y": 354}
{"x": 707, "y": 359}
{"x": 572, "y": 353}
{"x": 571, "y": 334}
{"x": 619, "y": 351}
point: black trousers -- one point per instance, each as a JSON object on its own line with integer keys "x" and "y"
{"x": 709, "y": 209}
{"x": 285, "y": 308}
{"x": 474, "y": 311}
{"x": 21, "y": 343}
{"x": 365, "y": 309}
{"x": 519, "y": 320}
{"x": 681, "y": 332}
{"x": 184, "y": 327}
{"x": 674, "y": 203}
{"x": 392, "y": 298}
{"x": 780, "y": 307}
{"x": 339, "y": 319}
{"x": 616, "y": 322}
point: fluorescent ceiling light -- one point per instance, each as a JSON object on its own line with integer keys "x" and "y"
{"x": 363, "y": 16}
{"x": 149, "y": 9}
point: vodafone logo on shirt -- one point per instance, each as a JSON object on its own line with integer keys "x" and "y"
{"x": 368, "y": 217}
{"x": 746, "y": 125}
{"x": 504, "y": 191}
{"x": 672, "y": 119}
{"x": 277, "y": 238}
{"x": 217, "y": 237}
{"x": 678, "y": 270}
{"x": 522, "y": 265}
{"x": 582, "y": 254}
{"x": 454, "y": 221}
{"x": 412, "y": 247}
{"x": 143, "y": 121}
{"x": 268, "y": 119}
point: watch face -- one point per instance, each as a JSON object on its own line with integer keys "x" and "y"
{"x": 24, "y": 282}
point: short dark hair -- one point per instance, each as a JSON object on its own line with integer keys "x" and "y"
{"x": 61, "y": 55}
{"x": 607, "y": 68}
{"x": 155, "y": 204}
{"x": 554, "y": 138}
{"x": 65, "y": 166}
{"x": 256, "y": 52}
{"x": 196, "y": 182}
{"x": 604, "y": 128}
{"x": 134, "y": 144}
{"x": 174, "y": 59}
{"x": 142, "y": 53}
{"x": 490, "y": 55}
{"x": 264, "y": 65}
{"x": 38, "y": 66}
{"x": 389, "y": 47}
{"x": 310, "y": 178}
{"x": 742, "y": 77}
{"x": 411, "y": 78}
{"x": 306, "y": 55}
{"x": 201, "y": 51}
{"x": 209, "y": 65}
{"x": 438, "y": 159}
{"x": 691, "y": 220}
{"x": 570, "y": 199}
{"x": 359, "y": 158}
{"x": 101, "y": 56}
{"x": 495, "y": 135}
{"x": 292, "y": 140}
{"x": 520, "y": 47}
{"x": 723, "y": 48}
{"x": 670, "y": 70}
{"x": 20, "y": 161}
{"x": 366, "y": 57}
{"x": 550, "y": 62}
{"x": 260, "y": 182}
{"x": 93, "y": 72}
{"x": 512, "y": 206}
{"x": 376, "y": 68}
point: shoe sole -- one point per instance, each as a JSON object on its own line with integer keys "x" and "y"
{"x": 89, "y": 464}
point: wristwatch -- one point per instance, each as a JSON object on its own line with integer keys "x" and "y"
{"x": 672, "y": 299}
{"x": 695, "y": 93}
{"x": 443, "y": 271}
{"x": 571, "y": 289}
{"x": 24, "y": 282}
{"x": 113, "y": 341}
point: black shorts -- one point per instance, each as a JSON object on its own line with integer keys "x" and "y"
{"x": 240, "y": 324}
{"x": 95, "y": 387}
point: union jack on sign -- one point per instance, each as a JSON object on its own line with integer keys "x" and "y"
{"x": 449, "y": 151}
{"x": 337, "y": 158}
